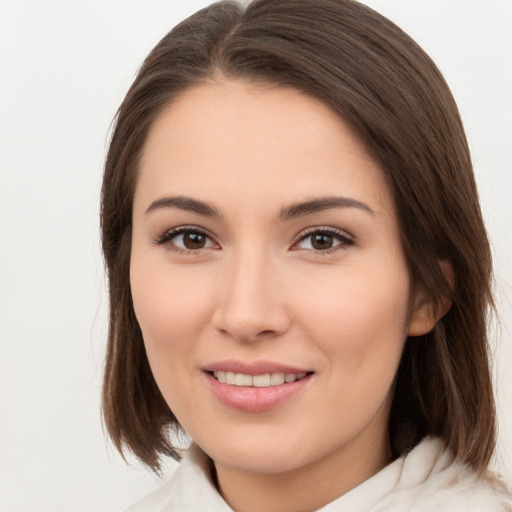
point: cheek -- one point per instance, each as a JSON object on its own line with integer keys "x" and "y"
{"x": 171, "y": 312}
{"x": 170, "y": 308}
{"x": 364, "y": 331}
{"x": 362, "y": 322}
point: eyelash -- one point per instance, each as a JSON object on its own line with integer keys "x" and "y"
{"x": 343, "y": 239}
{"x": 166, "y": 238}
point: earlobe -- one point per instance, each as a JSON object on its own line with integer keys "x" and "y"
{"x": 423, "y": 317}
{"x": 425, "y": 314}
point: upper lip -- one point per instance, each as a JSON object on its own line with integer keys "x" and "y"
{"x": 253, "y": 368}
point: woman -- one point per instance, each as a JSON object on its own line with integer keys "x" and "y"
{"x": 299, "y": 272}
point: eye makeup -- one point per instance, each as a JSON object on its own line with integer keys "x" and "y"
{"x": 186, "y": 239}
{"x": 190, "y": 238}
{"x": 323, "y": 240}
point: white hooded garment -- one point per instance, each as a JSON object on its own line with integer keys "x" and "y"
{"x": 424, "y": 480}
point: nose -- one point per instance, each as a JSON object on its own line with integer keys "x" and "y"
{"x": 250, "y": 305}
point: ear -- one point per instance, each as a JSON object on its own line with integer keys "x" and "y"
{"x": 425, "y": 315}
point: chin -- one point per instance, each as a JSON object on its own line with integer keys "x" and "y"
{"x": 257, "y": 455}
{"x": 263, "y": 462}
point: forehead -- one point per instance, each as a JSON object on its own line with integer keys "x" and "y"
{"x": 258, "y": 140}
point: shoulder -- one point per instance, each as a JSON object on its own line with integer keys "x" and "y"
{"x": 431, "y": 481}
{"x": 191, "y": 487}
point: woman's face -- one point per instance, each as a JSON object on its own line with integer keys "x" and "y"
{"x": 266, "y": 253}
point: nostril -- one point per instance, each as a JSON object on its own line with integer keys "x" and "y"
{"x": 246, "y": 319}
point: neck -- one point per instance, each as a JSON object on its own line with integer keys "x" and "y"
{"x": 307, "y": 488}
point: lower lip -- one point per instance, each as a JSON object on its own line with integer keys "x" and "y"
{"x": 253, "y": 399}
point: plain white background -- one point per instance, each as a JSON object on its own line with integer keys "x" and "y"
{"x": 65, "y": 66}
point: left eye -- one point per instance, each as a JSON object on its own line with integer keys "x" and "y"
{"x": 323, "y": 241}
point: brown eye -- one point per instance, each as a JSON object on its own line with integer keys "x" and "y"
{"x": 322, "y": 241}
{"x": 186, "y": 239}
{"x": 194, "y": 240}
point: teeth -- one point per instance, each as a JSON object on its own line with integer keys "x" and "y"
{"x": 243, "y": 380}
{"x": 276, "y": 379}
{"x": 258, "y": 381}
{"x": 261, "y": 381}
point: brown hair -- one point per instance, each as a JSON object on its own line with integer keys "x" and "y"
{"x": 393, "y": 96}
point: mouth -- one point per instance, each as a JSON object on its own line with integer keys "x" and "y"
{"x": 264, "y": 380}
{"x": 256, "y": 387}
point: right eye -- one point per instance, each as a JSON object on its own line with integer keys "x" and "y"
{"x": 186, "y": 239}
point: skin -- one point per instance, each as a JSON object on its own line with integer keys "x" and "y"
{"x": 259, "y": 289}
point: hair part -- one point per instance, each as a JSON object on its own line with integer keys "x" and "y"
{"x": 389, "y": 91}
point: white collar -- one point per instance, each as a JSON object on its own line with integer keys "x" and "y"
{"x": 426, "y": 479}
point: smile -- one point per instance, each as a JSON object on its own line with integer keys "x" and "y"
{"x": 251, "y": 390}
{"x": 258, "y": 381}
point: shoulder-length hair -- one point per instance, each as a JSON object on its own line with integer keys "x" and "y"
{"x": 395, "y": 99}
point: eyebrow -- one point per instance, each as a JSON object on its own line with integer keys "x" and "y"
{"x": 288, "y": 213}
{"x": 320, "y": 204}
{"x": 185, "y": 203}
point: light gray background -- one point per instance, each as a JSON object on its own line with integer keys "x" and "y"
{"x": 64, "y": 68}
